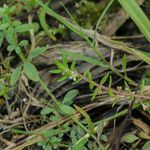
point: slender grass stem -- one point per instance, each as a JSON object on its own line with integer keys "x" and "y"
{"x": 102, "y": 16}
{"x": 49, "y": 92}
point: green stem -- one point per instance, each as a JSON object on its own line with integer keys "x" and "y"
{"x": 118, "y": 114}
{"x": 102, "y": 16}
{"x": 49, "y": 92}
{"x": 81, "y": 125}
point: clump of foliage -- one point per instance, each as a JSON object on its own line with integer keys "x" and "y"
{"x": 88, "y": 13}
{"x": 77, "y": 130}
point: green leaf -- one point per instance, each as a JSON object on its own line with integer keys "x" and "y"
{"x": 67, "y": 110}
{"x": 15, "y": 76}
{"x": 137, "y": 15}
{"x": 100, "y": 128}
{"x": 41, "y": 143}
{"x": 23, "y": 43}
{"x": 64, "y": 77}
{"x": 144, "y": 134}
{"x": 147, "y": 104}
{"x": 147, "y": 81}
{"x": 27, "y": 27}
{"x": 103, "y": 80}
{"x": 127, "y": 87}
{"x": 88, "y": 119}
{"x": 42, "y": 18}
{"x": 12, "y": 9}
{"x": 129, "y": 138}
{"x": 1, "y": 10}
{"x": 46, "y": 110}
{"x": 103, "y": 137}
{"x": 48, "y": 147}
{"x": 124, "y": 63}
{"x": 88, "y": 75}
{"x": 146, "y": 53}
{"x": 110, "y": 81}
{"x": 95, "y": 93}
{"x": 4, "y": 26}
{"x": 73, "y": 136}
{"x": 17, "y": 49}
{"x": 59, "y": 65}
{"x": 31, "y": 72}
{"x": 91, "y": 84}
{"x": 50, "y": 132}
{"x": 10, "y": 48}
{"x": 64, "y": 60}
{"x": 130, "y": 81}
{"x": 82, "y": 57}
{"x": 55, "y": 71}
{"x": 73, "y": 64}
{"x": 10, "y": 36}
{"x": 142, "y": 86}
{"x": 36, "y": 52}
{"x": 68, "y": 99}
{"x": 16, "y": 23}
{"x": 110, "y": 93}
{"x": 146, "y": 146}
{"x": 3, "y": 88}
{"x": 81, "y": 143}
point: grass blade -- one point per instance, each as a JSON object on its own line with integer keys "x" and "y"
{"x": 42, "y": 19}
{"x": 137, "y": 15}
{"x": 86, "y": 59}
{"x": 88, "y": 119}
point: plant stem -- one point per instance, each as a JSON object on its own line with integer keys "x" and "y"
{"x": 120, "y": 113}
{"x": 102, "y": 16}
{"x": 119, "y": 93}
{"x": 49, "y": 92}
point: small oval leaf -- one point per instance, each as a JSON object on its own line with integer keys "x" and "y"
{"x": 27, "y": 27}
{"x": 146, "y": 146}
{"x": 104, "y": 79}
{"x": 23, "y": 43}
{"x": 67, "y": 110}
{"x": 15, "y": 75}
{"x": 87, "y": 117}
{"x": 31, "y": 72}
{"x": 80, "y": 144}
{"x": 37, "y": 51}
{"x": 68, "y": 99}
{"x": 129, "y": 138}
{"x": 46, "y": 110}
